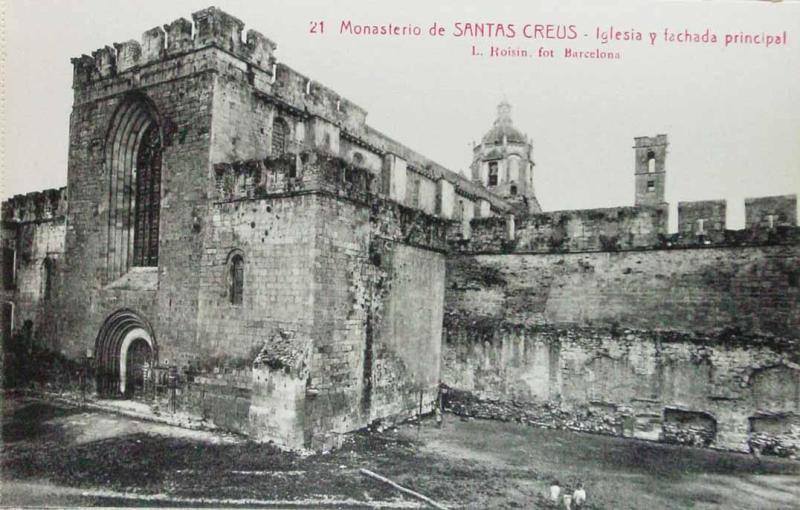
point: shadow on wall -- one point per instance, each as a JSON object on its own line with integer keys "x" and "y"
{"x": 29, "y": 365}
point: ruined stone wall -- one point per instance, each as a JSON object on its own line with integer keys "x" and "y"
{"x": 33, "y": 234}
{"x": 610, "y": 341}
{"x": 37, "y": 242}
{"x": 626, "y": 382}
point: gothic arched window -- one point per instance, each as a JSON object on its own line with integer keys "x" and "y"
{"x": 280, "y": 136}
{"x": 133, "y": 153}
{"x": 236, "y": 278}
{"x": 148, "y": 199}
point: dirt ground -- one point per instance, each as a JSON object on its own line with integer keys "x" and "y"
{"x": 64, "y": 456}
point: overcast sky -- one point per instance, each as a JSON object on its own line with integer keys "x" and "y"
{"x": 732, "y": 114}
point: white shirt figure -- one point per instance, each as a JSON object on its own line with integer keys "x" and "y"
{"x": 579, "y": 496}
{"x": 567, "y": 501}
{"x": 555, "y": 492}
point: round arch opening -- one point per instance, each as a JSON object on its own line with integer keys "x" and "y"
{"x": 124, "y": 348}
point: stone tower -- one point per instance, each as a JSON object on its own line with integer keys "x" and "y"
{"x": 503, "y": 162}
{"x": 650, "y": 170}
{"x": 209, "y": 189}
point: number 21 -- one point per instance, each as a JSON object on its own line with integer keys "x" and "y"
{"x": 317, "y": 27}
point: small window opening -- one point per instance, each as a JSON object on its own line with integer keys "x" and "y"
{"x": 280, "y": 135}
{"x": 651, "y": 186}
{"x": 9, "y": 265}
{"x": 493, "y": 173}
{"x": 701, "y": 227}
{"x": 47, "y": 279}
{"x": 8, "y": 320}
{"x": 513, "y": 190}
{"x": 237, "y": 279}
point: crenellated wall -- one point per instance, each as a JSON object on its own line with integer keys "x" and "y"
{"x": 765, "y": 213}
{"x": 611, "y": 229}
{"x": 212, "y": 28}
{"x": 702, "y": 221}
{"x": 701, "y": 224}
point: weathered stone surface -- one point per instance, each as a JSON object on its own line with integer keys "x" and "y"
{"x": 309, "y": 267}
{"x": 622, "y": 381}
{"x": 753, "y": 289}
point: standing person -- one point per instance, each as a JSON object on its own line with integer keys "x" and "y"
{"x": 579, "y": 496}
{"x": 568, "y": 502}
{"x": 555, "y": 491}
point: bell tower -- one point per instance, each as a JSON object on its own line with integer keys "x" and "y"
{"x": 650, "y": 155}
{"x": 503, "y": 162}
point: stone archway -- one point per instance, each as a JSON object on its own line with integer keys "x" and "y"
{"x": 137, "y": 349}
{"x": 124, "y": 343}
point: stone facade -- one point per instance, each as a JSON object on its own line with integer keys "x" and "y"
{"x": 289, "y": 253}
{"x": 236, "y": 241}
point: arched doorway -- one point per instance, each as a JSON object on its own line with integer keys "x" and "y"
{"x": 125, "y": 350}
{"x": 136, "y": 359}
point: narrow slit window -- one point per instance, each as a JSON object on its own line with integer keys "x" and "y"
{"x": 47, "y": 279}
{"x": 701, "y": 227}
{"x": 9, "y": 263}
{"x": 237, "y": 279}
{"x": 771, "y": 220}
